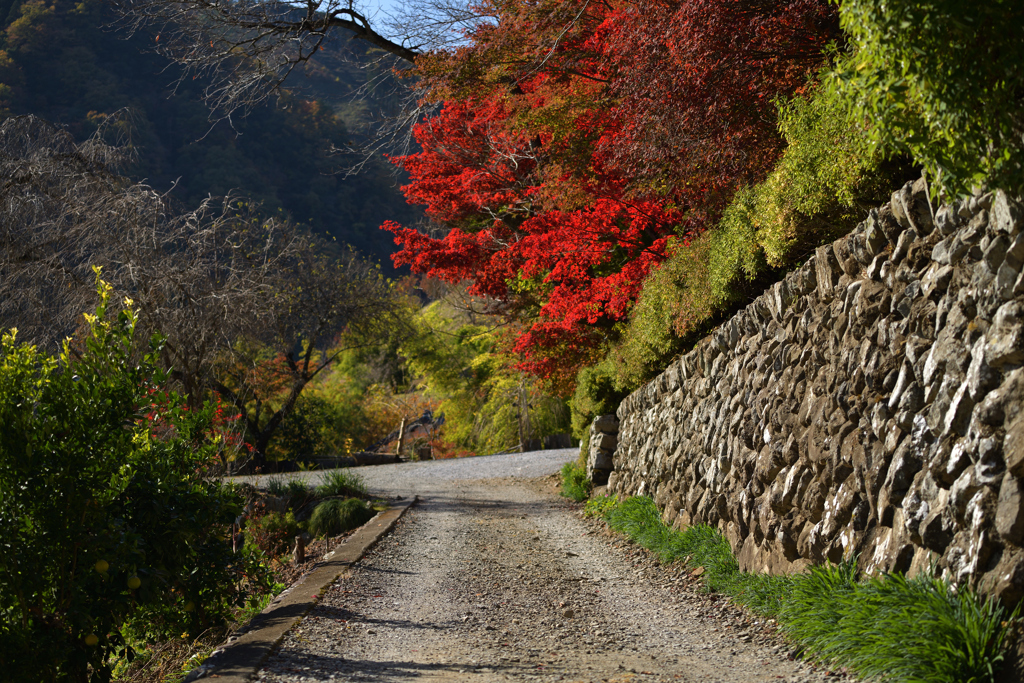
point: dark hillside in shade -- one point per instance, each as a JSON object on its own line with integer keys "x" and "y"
{"x": 58, "y": 62}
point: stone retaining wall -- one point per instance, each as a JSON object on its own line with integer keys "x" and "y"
{"x": 869, "y": 404}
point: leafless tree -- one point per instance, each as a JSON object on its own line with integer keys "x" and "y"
{"x": 246, "y": 49}
{"x": 338, "y": 303}
{"x": 215, "y": 281}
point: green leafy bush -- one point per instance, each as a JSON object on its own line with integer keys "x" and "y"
{"x": 308, "y": 430}
{"x": 297, "y": 491}
{"x": 887, "y": 627}
{"x": 575, "y": 483}
{"x": 341, "y": 483}
{"x": 333, "y": 517}
{"x": 107, "y": 523}
{"x": 828, "y": 176}
{"x": 941, "y": 80}
{"x": 596, "y": 394}
{"x": 600, "y": 506}
{"x": 271, "y": 533}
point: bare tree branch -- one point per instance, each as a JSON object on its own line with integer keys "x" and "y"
{"x": 247, "y": 48}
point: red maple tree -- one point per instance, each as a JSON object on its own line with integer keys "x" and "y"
{"x": 577, "y": 137}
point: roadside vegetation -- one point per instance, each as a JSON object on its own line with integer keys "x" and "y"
{"x": 575, "y": 484}
{"x": 119, "y": 558}
{"x": 885, "y": 627}
{"x": 603, "y": 183}
{"x": 287, "y": 507}
{"x": 113, "y": 535}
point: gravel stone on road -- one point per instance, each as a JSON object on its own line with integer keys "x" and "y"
{"x": 493, "y": 577}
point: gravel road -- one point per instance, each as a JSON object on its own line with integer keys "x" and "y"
{"x": 419, "y": 478}
{"x": 493, "y": 577}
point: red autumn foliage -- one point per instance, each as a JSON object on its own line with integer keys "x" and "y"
{"x": 576, "y": 137}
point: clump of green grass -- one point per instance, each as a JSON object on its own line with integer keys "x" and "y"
{"x": 297, "y": 491}
{"x": 276, "y": 486}
{"x": 341, "y": 483}
{"x": 333, "y": 517}
{"x": 575, "y": 484}
{"x": 890, "y": 627}
{"x": 887, "y": 627}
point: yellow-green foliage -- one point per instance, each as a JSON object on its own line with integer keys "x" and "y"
{"x": 826, "y": 178}
{"x": 675, "y": 301}
{"x": 482, "y": 395}
{"x": 596, "y": 394}
{"x": 811, "y": 197}
{"x": 942, "y": 81}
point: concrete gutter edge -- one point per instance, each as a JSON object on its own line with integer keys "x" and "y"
{"x": 239, "y": 658}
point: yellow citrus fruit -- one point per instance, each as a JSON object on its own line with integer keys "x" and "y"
{"x": 134, "y": 582}
{"x": 102, "y": 566}
{"x": 189, "y": 606}
{"x": 91, "y": 640}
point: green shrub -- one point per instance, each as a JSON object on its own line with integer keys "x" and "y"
{"x": 106, "y": 520}
{"x": 296, "y": 491}
{"x": 333, "y": 517}
{"x": 674, "y": 307}
{"x": 299, "y": 493}
{"x": 277, "y": 486}
{"x": 600, "y": 506}
{"x": 828, "y": 176}
{"x": 575, "y": 483}
{"x": 272, "y": 533}
{"x": 942, "y": 81}
{"x": 341, "y": 483}
{"x": 596, "y": 394}
{"x": 887, "y": 627}
{"x": 307, "y": 430}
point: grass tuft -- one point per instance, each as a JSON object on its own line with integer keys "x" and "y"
{"x": 297, "y": 491}
{"x": 886, "y": 628}
{"x": 333, "y": 517}
{"x": 575, "y": 483}
{"x": 341, "y": 483}
{"x": 890, "y": 627}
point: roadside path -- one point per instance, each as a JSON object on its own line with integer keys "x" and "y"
{"x": 500, "y": 580}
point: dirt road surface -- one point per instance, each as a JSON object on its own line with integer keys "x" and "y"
{"x": 499, "y": 579}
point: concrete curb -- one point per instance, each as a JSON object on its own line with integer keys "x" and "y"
{"x": 239, "y": 658}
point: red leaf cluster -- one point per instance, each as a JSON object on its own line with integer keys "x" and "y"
{"x": 576, "y": 137}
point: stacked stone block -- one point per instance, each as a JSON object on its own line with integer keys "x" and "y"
{"x": 868, "y": 405}
{"x": 604, "y": 438}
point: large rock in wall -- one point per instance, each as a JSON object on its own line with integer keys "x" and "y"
{"x": 871, "y": 404}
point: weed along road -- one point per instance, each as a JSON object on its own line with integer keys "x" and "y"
{"x": 493, "y": 577}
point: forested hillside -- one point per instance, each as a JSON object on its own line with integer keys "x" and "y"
{"x": 63, "y": 62}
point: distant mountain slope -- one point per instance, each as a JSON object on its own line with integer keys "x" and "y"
{"x": 58, "y": 63}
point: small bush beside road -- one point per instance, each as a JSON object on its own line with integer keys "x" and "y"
{"x": 575, "y": 484}
{"x": 333, "y": 517}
